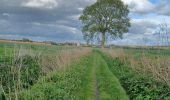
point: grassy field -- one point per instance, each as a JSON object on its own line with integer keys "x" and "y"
{"x": 47, "y": 72}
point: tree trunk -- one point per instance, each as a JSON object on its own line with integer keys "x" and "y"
{"x": 103, "y": 40}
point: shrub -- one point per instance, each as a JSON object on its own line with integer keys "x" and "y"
{"x": 29, "y": 69}
{"x": 137, "y": 86}
{"x": 21, "y": 74}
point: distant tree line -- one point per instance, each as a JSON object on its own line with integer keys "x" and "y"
{"x": 63, "y": 43}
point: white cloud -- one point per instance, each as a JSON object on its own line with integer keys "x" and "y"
{"x": 149, "y": 31}
{"x": 163, "y": 7}
{"x": 6, "y": 14}
{"x": 143, "y": 31}
{"x": 74, "y": 17}
{"x": 49, "y": 4}
{"x": 139, "y": 6}
{"x": 80, "y": 9}
{"x": 69, "y": 29}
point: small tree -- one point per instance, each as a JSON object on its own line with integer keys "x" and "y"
{"x": 105, "y": 16}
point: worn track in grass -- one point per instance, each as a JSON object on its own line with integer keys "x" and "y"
{"x": 108, "y": 85}
{"x": 90, "y": 79}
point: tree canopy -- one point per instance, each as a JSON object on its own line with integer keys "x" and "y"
{"x": 105, "y": 17}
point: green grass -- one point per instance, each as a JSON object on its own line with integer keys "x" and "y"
{"x": 95, "y": 77}
{"x": 109, "y": 86}
{"x": 69, "y": 85}
{"x": 138, "y": 87}
{"x": 78, "y": 83}
{"x": 14, "y": 56}
{"x": 7, "y": 49}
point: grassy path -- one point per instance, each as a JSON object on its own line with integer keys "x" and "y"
{"x": 108, "y": 85}
{"x": 95, "y": 80}
{"x": 90, "y": 79}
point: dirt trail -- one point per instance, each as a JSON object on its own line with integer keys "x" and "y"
{"x": 96, "y": 90}
{"x": 106, "y": 86}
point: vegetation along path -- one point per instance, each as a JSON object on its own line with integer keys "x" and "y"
{"x": 89, "y": 79}
{"x": 108, "y": 85}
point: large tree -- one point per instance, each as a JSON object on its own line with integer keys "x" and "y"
{"x": 105, "y": 17}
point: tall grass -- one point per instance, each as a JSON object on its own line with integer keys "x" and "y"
{"x": 71, "y": 84}
{"x": 19, "y": 70}
{"x": 138, "y": 84}
{"x": 22, "y": 65}
{"x": 153, "y": 63}
{"x": 62, "y": 60}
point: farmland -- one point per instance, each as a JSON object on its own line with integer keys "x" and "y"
{"x": 84, "y": 50}
{"x": 48, "y": 72}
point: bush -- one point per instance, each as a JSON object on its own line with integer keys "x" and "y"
{"x": 29, "y": 68}
{"x": 70, "y": 84}
{"x": 138, "y": 87}
{"x": 21, "y": 74}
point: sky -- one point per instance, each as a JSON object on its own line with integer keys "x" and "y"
{"x": 57, "y": 20}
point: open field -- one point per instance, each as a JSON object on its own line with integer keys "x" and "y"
{"x": 43, "y": 72}
{"x": 84, "y": 50}
{"x": 19, "y": 42}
